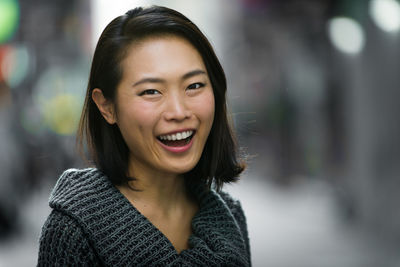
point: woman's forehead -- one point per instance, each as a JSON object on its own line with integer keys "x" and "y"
{"x": 163, "y": 55}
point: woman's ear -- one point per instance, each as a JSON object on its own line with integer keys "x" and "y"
{"x": 105, "y": 106}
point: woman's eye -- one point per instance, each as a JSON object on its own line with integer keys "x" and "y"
{"x": 149, "y": 92}
{"x": 195, "y": 85}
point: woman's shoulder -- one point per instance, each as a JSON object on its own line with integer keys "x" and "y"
{"x": 63, "y": 242}
{"x": 58, "y": 228}
{"x": 235, "y": 207}
{"x": 73, "y": 181}
{"x": 233, "y": 203}
{"x": 75, "y": 175}
{"x": 85, "y": 195}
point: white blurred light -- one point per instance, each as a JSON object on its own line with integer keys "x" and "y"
{"x": 346, "y": 35}
{"x": 104, "y": 11}
{"x": 209, "y": 15}
{"x": 386, "y": 14}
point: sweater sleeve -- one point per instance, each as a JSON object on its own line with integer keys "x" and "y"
{"x": 238, "y": 213}
{"x": 63, "y": 243}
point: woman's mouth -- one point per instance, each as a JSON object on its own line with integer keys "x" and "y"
{"x": 178, "y": 139}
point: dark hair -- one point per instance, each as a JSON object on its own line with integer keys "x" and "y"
{"x": 218, "y": 163}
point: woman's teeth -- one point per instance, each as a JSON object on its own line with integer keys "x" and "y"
{"x": 176, "y": 136}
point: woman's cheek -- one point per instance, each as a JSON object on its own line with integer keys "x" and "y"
{"x": 207, "y": 105}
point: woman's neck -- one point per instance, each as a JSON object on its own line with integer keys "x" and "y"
{"x": 159, "y": 192}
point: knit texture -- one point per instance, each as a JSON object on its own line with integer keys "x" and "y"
{"x": 93, "y": 224}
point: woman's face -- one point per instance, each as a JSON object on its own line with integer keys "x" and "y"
{"x": 164, "y": 106}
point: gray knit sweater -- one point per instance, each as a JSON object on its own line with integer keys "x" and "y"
{"x": 93, "y": 224}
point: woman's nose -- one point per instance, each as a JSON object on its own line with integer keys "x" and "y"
{"x": 176, "y": 108}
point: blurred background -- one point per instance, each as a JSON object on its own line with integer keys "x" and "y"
{"x": 314, "y": 92}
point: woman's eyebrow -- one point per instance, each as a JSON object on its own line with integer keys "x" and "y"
{"x": 159, "y": 80}
{"x": 149, "y": 80}
{"x": 193, "y": 73}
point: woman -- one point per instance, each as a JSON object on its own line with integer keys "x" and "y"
{"x": 155, "y": 122}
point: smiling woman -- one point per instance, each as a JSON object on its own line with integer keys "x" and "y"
{"x": 155, "y": 123}
{"x": 164, "y": 92}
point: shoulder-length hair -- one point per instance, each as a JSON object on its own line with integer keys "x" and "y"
{"x": 218, "y": 163}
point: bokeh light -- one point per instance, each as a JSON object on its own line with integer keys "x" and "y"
{"x": 4, "y": 50}
{"x": 103, "y": 11}
{"x": 15, "y": 64}
{"x": 346, "y": 35}
{"x": 386, "y": 14}
{"x": 61, "y": 113}
{"x": 9, "y": 17}
{"x": 59, "y": 98}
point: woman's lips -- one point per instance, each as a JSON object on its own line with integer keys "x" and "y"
{"x": 177, "y": 148}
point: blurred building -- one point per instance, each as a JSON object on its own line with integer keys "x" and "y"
{"x": 44, "y": 59}
{"x": 313, "y": 88}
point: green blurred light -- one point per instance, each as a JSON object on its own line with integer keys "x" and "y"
{"x": 9, "y": 16}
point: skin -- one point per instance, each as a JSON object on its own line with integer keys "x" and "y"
{"x": 164, "y": 88}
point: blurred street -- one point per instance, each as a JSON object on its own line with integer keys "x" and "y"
{"x": 300, "y": 227}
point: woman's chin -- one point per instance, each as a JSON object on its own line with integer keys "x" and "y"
{"x": 180, "y": 167}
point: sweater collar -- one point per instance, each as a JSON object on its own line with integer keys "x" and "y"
{"x": 121, "y": 235}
